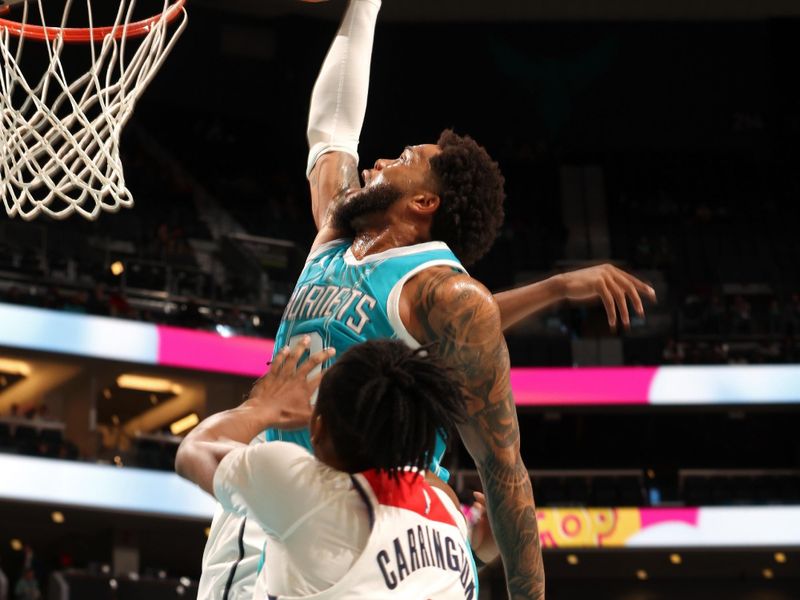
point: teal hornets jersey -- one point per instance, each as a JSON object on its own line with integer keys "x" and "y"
{"x": 340, "y": 301}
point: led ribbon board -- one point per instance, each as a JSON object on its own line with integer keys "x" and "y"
{"x": 130, "y": 341}
{"x": 149, "y": 344}
{"x": 717, "y": 527}
{"x": 66, "y": 483}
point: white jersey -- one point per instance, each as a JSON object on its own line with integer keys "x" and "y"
{"x": 335, "y": 535}
{"x": 417, "y": 548}
{"x": 231, "y": 556}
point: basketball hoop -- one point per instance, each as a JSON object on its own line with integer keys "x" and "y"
{"x": 59, "y": 137}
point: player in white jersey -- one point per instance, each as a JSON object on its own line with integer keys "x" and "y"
{"x": 356, "y": 520}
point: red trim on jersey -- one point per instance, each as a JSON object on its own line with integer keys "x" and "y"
{"x": 411, "y": 492}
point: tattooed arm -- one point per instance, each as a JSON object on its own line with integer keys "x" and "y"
{"x": 462, "y": 318}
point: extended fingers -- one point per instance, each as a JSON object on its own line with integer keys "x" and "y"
{"x": 276, "y": 366}
{"x": 622, "y": 304}
{"x": 624, "y": 284}
{"x": 294, "y": 356}
{"x": 315, "y": 360}
{"x": 608, "y": 303}
{"x": 641, "y": 286}
{"x": 633, "y": 294}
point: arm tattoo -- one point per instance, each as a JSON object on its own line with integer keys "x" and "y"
{"x": 513, "y": 517}
{"x": 459, "y": 316}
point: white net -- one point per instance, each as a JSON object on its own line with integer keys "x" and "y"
{"x": 60, "y": 134}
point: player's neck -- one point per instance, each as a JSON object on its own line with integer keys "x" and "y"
{"x": 372, "y": 239}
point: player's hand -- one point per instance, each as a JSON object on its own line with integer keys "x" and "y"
{"x": 287, "y": 389}
{"x": 482, "y": 538}
{"x": 613, "y": 286}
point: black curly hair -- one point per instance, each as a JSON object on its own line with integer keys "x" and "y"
{"x": 470, "y": 186}
{"x": 383, "y": 404}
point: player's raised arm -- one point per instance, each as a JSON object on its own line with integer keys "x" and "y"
{"x": 461, "y": 317}
{"x": 338, "y": 106}
{"x": 281, "y": 398}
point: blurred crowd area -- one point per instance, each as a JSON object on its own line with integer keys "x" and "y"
{"x": 613, "y": 150}
{"x": 723, "y": 269}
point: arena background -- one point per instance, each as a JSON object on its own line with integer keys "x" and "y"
{"x": 662, "y": 136}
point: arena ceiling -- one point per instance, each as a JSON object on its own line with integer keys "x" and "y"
{"x": 516, "y": 10}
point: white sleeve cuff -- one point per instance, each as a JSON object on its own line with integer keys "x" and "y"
{"x": 321, "y": 148}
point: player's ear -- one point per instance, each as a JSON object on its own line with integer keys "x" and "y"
{"x": 316, "y": 428}
{"x": 425, "y": 203}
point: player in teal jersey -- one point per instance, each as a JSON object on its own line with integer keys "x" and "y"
{"x": 387, "y": 262}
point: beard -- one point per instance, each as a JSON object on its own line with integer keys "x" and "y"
{"x": 376, "y": 199}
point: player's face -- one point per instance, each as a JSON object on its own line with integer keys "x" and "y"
{"x": 389, "y": 181}
{"x": 409, "y": 172}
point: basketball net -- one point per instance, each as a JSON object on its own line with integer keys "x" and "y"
{"x": 60, "y": 137}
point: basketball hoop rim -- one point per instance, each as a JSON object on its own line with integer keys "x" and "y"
{"x": 78, "y": 35}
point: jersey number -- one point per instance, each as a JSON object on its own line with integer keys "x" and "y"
{"x": 315, "y": 346}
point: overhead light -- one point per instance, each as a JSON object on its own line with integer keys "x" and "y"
{"x": 184, "y": 424}
{"x": 224, "y": 331}
{"x": 256, "y": 320}
{"x": 57, "y": 516}
{"x": 572, "y": 559}
{"x": 641, "y": 575}
{"x": 107, "y": 394}
{"x": 16, "y": 545}
{"x": 675, "y": 559}
{"x": 768, "y": 574}
{"x": 780, "y": 557}
{"x": 14, "y": 367}
{"x": 153, "y": 385}
{"x": 117, "y": 268}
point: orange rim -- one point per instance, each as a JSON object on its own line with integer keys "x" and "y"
{"x": 77, "y": 34}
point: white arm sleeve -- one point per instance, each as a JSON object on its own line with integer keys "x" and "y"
{"x": 339, "y": 100}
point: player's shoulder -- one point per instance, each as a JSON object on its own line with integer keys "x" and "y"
{"x": 269, "y": 457}
{"x": 443, "y": 303}
{"x": 287, "y": 461}
{"x": 279, "y": 450}
{"x": 443, "y": 285}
